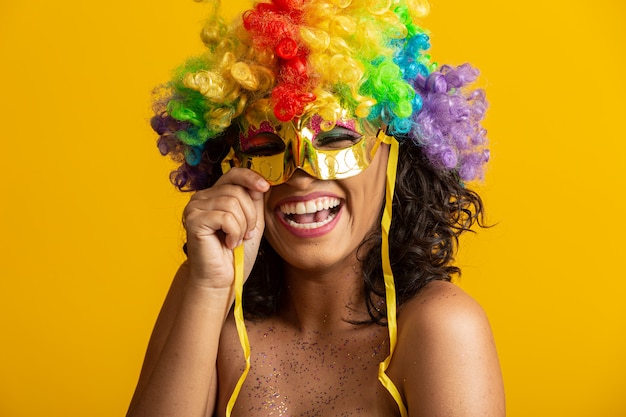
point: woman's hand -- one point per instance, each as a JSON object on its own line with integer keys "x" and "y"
{"x": 220, "y": 218}
{"x": 178, "y": 375}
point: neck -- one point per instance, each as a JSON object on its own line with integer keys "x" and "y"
{"x": 324, "y": 301}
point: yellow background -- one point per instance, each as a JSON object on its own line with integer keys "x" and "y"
{"x": 90, "y": 227}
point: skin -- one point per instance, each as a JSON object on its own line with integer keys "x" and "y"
{"x": 308, "y": 360}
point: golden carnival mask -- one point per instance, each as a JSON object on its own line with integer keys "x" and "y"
{"x": 276, "y": 151}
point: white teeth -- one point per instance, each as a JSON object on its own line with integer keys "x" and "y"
{"x": 310, "y": 206}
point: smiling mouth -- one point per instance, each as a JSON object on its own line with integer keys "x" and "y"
{"x": 311, "y": 214}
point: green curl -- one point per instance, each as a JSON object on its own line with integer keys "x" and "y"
{"x": 194, "y": 136}
{"x": 404, "y": 15}
{"x": 388, "y": 87}
{"x": 179, "y": 111}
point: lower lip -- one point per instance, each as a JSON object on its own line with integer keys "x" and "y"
{"x": 309, "y": 233}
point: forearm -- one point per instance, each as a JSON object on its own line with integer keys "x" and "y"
{"x": 179, "y": 383}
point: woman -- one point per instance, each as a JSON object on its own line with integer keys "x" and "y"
{"x": 297, "y": 129}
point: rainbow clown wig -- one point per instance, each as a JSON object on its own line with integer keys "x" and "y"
{"x": 285, "y": 59}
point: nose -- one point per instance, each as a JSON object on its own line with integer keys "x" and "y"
{"x": 300, "y": 179}
{"x": 300, "y": 151}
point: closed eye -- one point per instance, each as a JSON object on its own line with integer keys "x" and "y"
{"x": 336, "y": 138}
{"x": 263, "y": 144}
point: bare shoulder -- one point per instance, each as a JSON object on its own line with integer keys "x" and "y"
{"x": 441, "y": 306}
{"x": 446, "y": 362}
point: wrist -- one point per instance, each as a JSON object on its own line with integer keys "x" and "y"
{"x": 217, "y": 299}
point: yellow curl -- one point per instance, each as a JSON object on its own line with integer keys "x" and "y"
{"x": 418, "y": 8}
{"x": 365, "y": 108}
{"x": 342, "y": 26}
{"x": 207, "y": 83}
{"x": 252, "y": 77}
{"x": 328, "y": 107}
{"x": 259, "y": 111}
{"x": 392, "y": 19}
{"x": 339, "y": 46}
{"x": 316, "y": 39}
{"x": 211, "y": 34}
{"x": 228, "y": 60}
{"x": 342, "y": 3}
{"x": 242, "y": 74}
{"x": 265, "y": 77}
{"x": 346, "y": 69}
{"x": 264, "y": 57}
{"x": 219, "y": 118}
{"x": 379, "y": 7}
{"x": 225, "y": 45}
{"x": 241, "y": 106}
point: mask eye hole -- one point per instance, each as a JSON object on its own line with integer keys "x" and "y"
{"x": 263, "y": 144}
{"x": 336, "y": 138}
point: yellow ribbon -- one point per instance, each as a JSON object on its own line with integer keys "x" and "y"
{"x": 241, "y": 325}
{"x": 390, "y": 287}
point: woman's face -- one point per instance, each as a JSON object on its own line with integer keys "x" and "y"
{"x": 314, "y": 224}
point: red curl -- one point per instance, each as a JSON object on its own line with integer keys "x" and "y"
{"x": 287, "y": 48}
{"x": 296, "y": 67}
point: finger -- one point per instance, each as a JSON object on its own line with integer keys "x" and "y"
{"x": 201, "y": 224}
{"x": 256, "y": 187}
{"x": 203, "y": 216}
{"x": 253, "y": 182}
{"x": 230, "y": 198}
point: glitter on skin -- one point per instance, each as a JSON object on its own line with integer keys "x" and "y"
{"x": 313, "y": 374}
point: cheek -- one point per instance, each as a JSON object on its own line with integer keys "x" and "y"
{"x": 368, "y": 188}
{"x": 271, "y": 223}
{"x": 267, "y": 211}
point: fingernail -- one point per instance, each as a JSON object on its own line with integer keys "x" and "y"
{"x": 250, "y": 234}
{"x": 263, "y": 184}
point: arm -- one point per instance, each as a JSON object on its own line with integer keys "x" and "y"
{"x": 178, "y": 376}
{"x": 446, "y": 356}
